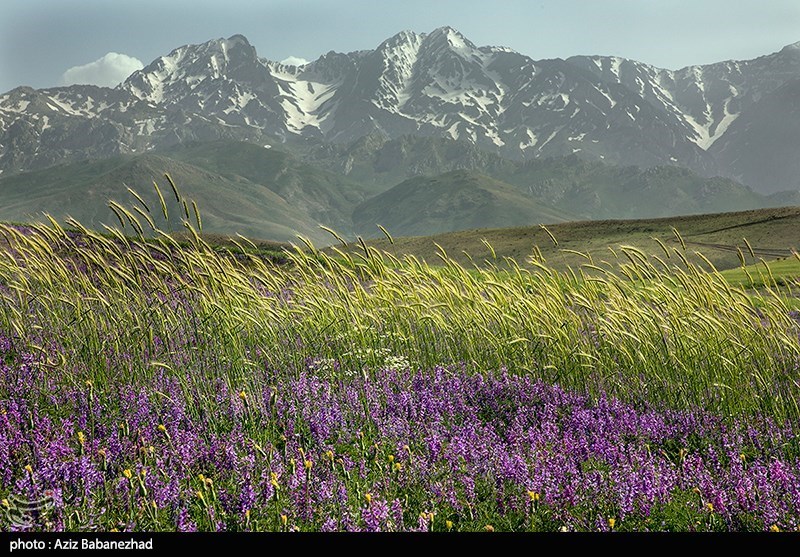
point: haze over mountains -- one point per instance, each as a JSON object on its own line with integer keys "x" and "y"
{"x": 347, "y": 127}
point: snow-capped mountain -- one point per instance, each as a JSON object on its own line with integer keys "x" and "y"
{"x": 427, "y": 84}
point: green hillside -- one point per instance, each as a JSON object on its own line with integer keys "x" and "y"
{"x": 452, "y": 201}
{"x": 228, "y": 205}
{"x": 772, "y": 233}
{"x": 326, "y": 197}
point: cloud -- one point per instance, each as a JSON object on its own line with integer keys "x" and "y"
{"x": 294, "y": 61}
{"x": 108, "y": 71}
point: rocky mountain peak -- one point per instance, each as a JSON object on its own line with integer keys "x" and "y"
{"x": 436, "y": 84}
{"x": 400, "y": 39}
{"x": 451, "y": 37}
{"x": 791, "y": 49}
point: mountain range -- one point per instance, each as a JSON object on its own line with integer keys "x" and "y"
{"x": 583, "y": 137}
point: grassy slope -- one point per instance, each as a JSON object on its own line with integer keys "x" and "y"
{"x": 326, "y": 197}
{"x": 229, "y": 204}
{"x": 784, "y": 272}
{"x": 451, "y": 201}
{"x": 775, "y": 231}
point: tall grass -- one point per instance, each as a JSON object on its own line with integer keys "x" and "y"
{"x": 660, "y": 329}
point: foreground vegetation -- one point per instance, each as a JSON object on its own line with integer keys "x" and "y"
{"x": 147, "y": 384}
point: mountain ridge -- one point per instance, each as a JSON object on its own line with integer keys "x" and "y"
{"x": 437, "y": 84}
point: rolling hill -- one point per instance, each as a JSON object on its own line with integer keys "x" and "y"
{"x": 452, "y": 201}
{"x": 82, "y": 190}
{"x": 325, "y": 197}
{"x": 773, "y": 233}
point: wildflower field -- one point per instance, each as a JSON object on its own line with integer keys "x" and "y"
{"x": 152, "y": 385}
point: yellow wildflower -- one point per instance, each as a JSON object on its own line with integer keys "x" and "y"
{"x": 127, "y": 473}
{"x": 489, "y": 528}
{"x": 612, "y": 522}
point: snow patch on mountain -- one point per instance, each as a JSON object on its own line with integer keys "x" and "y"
{"x": 238, "y": 102}
{"x": 303, "y": 96}
{"x": 60, "y": 105}
{"x": 532, "y": 140}
{"x": 18, "y": 106}
{"x": 722, "y": 125}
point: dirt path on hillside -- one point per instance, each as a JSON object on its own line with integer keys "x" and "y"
{"x": 771, "y": 218}
{"x": 763, "y": 252}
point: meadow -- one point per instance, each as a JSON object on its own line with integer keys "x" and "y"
{"x": 722, "y": 238}
{"x": 152, "y": 384}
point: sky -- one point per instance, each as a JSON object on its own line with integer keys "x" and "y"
{"x": 46, "y": 43}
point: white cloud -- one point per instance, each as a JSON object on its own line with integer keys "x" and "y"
{"x": 108, "y": 71}
{"x": 294, "y": 61}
